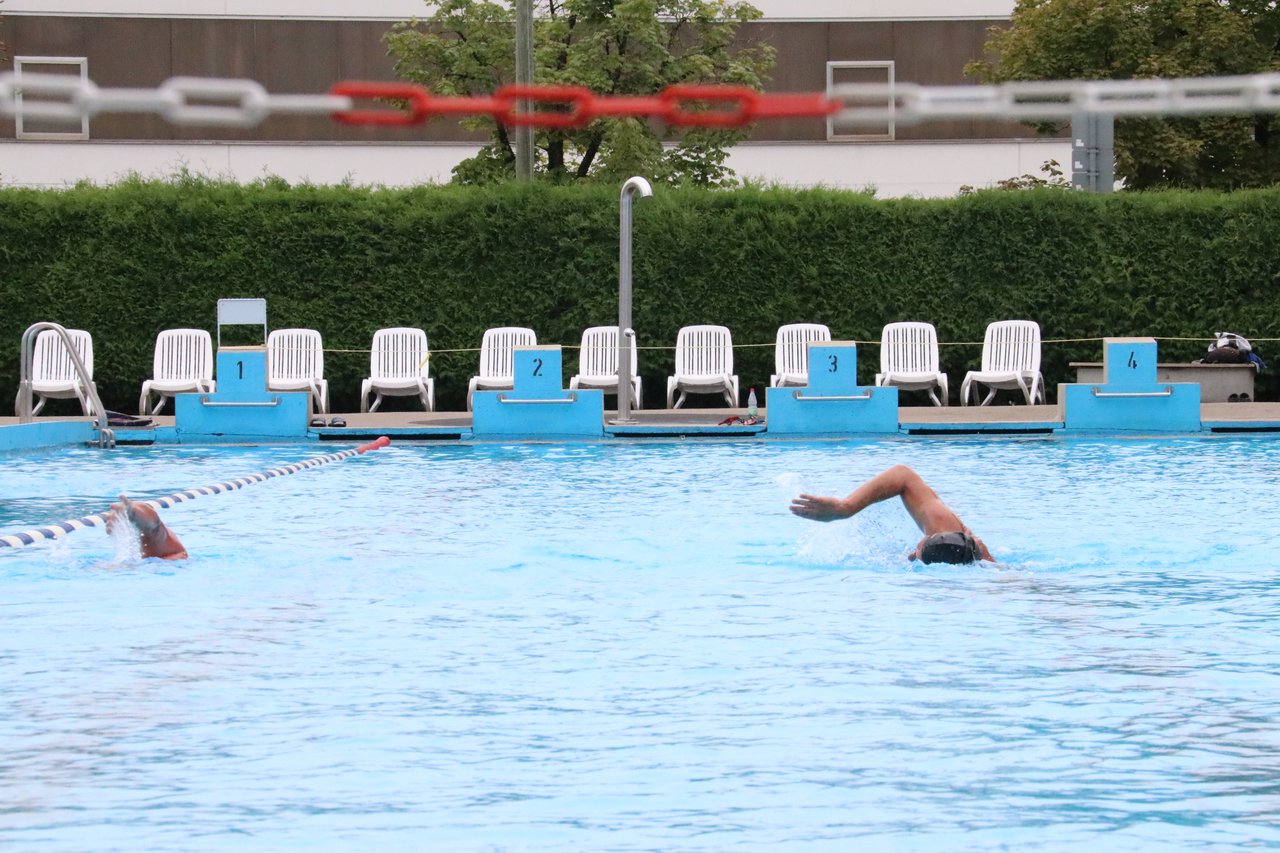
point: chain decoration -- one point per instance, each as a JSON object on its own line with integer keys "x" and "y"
{"x": 245, "y": 103}
{"x": 909, "y": 103}
{"x": 736, "y": 105}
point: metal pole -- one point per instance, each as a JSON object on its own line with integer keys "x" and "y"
{"x": 524, "y": 77}
{"x": 625, "y": 332}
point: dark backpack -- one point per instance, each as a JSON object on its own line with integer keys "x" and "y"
{"x": 1225, "y": 355}
{"x": 1228, "y": 348}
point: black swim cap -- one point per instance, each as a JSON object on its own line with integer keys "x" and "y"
{"x": 955, "y": 548}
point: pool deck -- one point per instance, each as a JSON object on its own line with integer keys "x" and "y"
{"x": 705, "y": 423}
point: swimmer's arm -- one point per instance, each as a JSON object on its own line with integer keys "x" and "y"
{"x": 154, "y": 538}
{"x": 821, "y": 507}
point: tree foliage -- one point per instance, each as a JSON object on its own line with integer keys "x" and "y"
{"x": 1127, "y": 39}
{"x": 613, "y": 47}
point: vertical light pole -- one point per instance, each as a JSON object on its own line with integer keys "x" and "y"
{"x": 625, "y": 332}
{"x": 524, "y": 77}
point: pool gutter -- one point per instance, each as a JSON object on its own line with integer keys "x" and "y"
{"x": 656, "y": 424}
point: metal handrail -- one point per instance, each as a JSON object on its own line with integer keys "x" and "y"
{"x": 1167, "y": 391}
{"x": 106, "y": 436}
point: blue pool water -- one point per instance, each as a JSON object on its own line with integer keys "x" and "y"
{"x": 636, "y": 647}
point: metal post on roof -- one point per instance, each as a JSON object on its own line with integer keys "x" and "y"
{"x": 524, "y": 77}
{"x": 633, "y": 186}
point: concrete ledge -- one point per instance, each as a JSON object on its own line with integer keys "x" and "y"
{"x": 39, "y": 434}
{"x": 1217, "y": 381}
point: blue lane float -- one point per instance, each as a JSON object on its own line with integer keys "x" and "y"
{"x": 832, "y": 403}
{"x": 1130, "y": 399}
{"x": 62, "y": 528}
{"x": 538, "y": 405}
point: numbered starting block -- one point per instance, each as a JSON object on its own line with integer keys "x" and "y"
{"x": 832, "y": 403}
{"x": 537, "y": 405}
{"x": 242, "y": 406}
{"x": 1130, "y": 399}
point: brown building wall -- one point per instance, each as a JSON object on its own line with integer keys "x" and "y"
{"x": 308, "y": 56}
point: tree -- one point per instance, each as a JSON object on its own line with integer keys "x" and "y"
{"x": 1127, "y": 39}
{"x": 613, "y": 47}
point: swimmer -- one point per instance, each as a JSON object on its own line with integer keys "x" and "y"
{"x": 946, "y": 539}
{"x": 156, "y": 539}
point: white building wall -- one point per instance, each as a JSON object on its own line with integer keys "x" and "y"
{"x": 924, "y": 169}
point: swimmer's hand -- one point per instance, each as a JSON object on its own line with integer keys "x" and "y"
{"x": 819, "y": 507}
{"x": 140, "y": 516}
{"x": 119, "y": 513}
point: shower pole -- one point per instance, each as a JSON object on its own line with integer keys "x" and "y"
{"x": 633, "y": 186}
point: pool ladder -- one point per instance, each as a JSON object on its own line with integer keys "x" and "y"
{"x": 106, "y": 436}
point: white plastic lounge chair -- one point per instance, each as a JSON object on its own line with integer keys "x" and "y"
{"x": 54, "y": 375}
{"x": 598, "y": 363}
{"x": 791, "y": 353}
{"x": 295, "y": 362}
{"x": 399, "y": 366}
{"x": 1010, "y": 360}
{"x": 704, "y": 365}
{"x": 909, "y": 360}
{"x": 497, "y": 359}
{"x": 183, "y": 364}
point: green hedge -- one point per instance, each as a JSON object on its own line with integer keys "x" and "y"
{"x": 130, "y": 260}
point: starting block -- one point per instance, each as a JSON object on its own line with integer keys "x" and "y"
{"x": 537, "y": 404}
{"x": 832, "y": 403}
{"x": 1131, "y": 399}
{"x": 242, "y": 406}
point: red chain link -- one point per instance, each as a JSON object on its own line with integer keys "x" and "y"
{"x": 734, "y": 106}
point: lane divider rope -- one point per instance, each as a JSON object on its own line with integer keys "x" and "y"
{"x": 62, "y": 528}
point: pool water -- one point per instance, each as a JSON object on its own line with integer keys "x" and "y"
{"x": 635, "y": 646}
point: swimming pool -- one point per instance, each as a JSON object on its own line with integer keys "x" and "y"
{"x": 636, "y": 647}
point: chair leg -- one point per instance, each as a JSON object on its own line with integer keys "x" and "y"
{"x": 35, "y": 410}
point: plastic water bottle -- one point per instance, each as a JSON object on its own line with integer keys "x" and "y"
{"x": 751, "y": 402}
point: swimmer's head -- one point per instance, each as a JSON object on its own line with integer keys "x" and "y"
{"x": 954, "y": 548}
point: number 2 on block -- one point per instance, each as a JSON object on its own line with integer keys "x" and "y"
{"x": 537, "y": 367}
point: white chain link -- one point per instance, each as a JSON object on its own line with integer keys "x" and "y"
{"x": 245, "y": 103}
{"x": 180, "y": 100}
{"x": 909, "y": 103}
